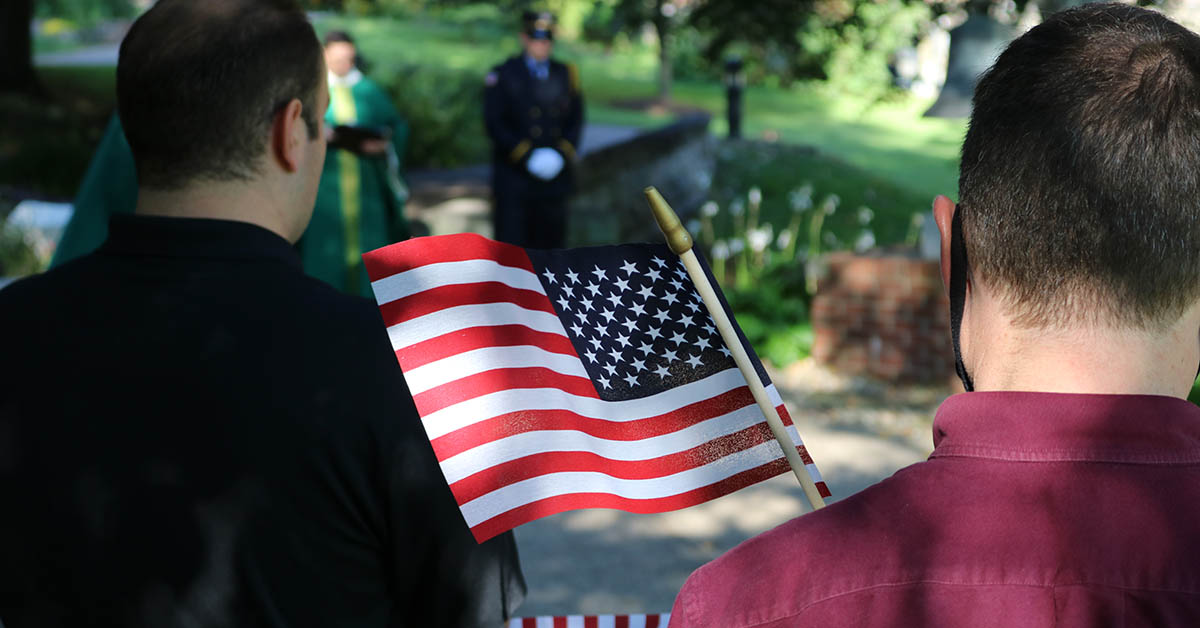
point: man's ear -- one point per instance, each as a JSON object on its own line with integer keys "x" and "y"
{"x": 288, "y": 136}
{"x": 943, "y": 215}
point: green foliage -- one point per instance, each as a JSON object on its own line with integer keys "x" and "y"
{"x": 84, "y": 12}
{"x": 856, "y": 48}
{"x": 18, "y": 257}
{"x": 444, "y": 113}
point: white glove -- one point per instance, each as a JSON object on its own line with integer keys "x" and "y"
{"x": 544, "y": 163}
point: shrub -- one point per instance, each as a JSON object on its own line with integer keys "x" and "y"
{"x": 444, "y": 112}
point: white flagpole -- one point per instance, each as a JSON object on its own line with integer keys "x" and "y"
{"x": 680, "y": 242}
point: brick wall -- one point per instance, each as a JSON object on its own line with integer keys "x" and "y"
{"x": 885, "y": 315}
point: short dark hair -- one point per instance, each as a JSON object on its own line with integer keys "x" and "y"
{"x": 1080, "y": 175}
{"x": 333, "y": 37}
{"x": 199, "y": 82}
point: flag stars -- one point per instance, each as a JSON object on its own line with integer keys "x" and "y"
{"x": 639, "y": 365}
{"x": 694, "y": 361}
{"x": 678, "y": 338}
{"x": 616, "y": 355}
{"x": 691, "y": 305}
{"x": 646, "y": 349}
{"x": 612, "y": 371}
{"x": 573, "y": 276}
{"x": 703, "y": 343}
{"x": 630, "y": 325}
{"x": 726, "y": 352}
{"x": 595, "y": 343}
{"x": 591, "y": 355}
{"x": 647, "y": 292}
{"x": 604, "y": 382}
{"x": 631, "y": 378}
{"x": 638, "y": 309}
{"x": 550, "y": 276}
{"x": 578, "y": 329}
{"x": 587, "y": 304}
{"x": 629, "y": 267}
{"x": 594, "y": 288}
{"x": 623, "y": 339}
{"x": 671, "y": 355}
{"x": 564, "y": 302}
{"x": 658, "y": 261}
{"x": 671, "y": 298}
{"x": 608, "y": 315}
{"x": 662, "y": 371}
{"x": 615, "y": 299}
{"x": 600, "y": 274}
{"x": 623, "y": 284}
{"x": 654, "y": 333}
{"x": 687, "y": 321}
{"x": 654, "y": 274}
{"x": 662, "y": 316}
{"x": 675, "y": 283}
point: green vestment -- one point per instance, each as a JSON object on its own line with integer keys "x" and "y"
{"x": 109, "y": 187}
{"x": 360, "y": 204}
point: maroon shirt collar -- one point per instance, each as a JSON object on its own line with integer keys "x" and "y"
{"x": 1058, "y": 427}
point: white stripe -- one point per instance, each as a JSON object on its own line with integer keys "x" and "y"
{"x": 606, "y": 621}
{"x": 517, "y": 446}
{"x": 545, "y": 622}
{"x": 478, "y": 361}
{"x": 457, "y": 416}
{"x": 528, "y": 491}
{"x": 454, "y": 319}
{"x": 637, "y": 621}
{"x": 575, "y": 621}
{"x": 423, "y": 278}
{"x": 664, "y": 620}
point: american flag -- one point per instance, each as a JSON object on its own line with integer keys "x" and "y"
{"x": 580, "y": 378}
{"x": 656, "y": 620}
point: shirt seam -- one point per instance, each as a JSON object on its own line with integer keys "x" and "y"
{"x": 1063, "y": 455}
{"x": 1052, "y": 586}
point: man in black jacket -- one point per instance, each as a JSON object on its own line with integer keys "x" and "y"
{"x": 533, "y": 110}
{"x": 193, "y": 432}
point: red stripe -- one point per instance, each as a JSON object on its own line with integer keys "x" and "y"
{"x": 535, "y": 465}
{"x": 622, "y": 621}
{"x": 514, "y": 423}
{"x": 560, "y": 621}
{"x": 591, "y": 621}
{"x": 474, "y": 338}
{"x": 823, "y": 489}
{"x": 651, "y": 621}
{"x": 444, "y": 297}
{"x": 554, "y": 505}
{"x": 459, "y": 247}
{"x": 499, "y": 380}
{"x": 529, "y": 622}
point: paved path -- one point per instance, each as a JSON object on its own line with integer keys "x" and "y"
{"x": 103, "y": 55}
{"x": 608, "y": 561}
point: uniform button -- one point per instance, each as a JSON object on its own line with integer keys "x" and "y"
{"x": 535, "y": 113}
{"x": 536, "y": 131}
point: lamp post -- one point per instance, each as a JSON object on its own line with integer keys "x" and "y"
{"x": 735, "y": 83}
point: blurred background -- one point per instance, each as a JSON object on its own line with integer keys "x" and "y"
{"x": 802, "y": 140}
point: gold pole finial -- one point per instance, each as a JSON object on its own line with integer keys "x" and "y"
{"x": 678, "y": 238}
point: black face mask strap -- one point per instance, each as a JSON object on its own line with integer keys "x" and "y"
{"x": 958, "y": 294}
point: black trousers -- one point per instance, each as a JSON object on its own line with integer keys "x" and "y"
{"x": 527, "y": 216}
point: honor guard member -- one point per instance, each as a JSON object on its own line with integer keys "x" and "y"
{"x": 533, "y": 111}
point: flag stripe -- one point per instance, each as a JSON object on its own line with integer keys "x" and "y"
{"x": 445, "y": 297}
{"x": 475, "y": 338}
{"x": 502, "y": 380}
{"x": 553, "y": 505}
{"x": 515, "y": 423}
{"x": 489, "y": 358}
{"x": 466, "y": 316}
{"x": 575, "y": 462}
{"x": 648, "y": 490}
{"x": 636, "y": 620}
{"x": 458, "y": 416}
{"x": 504, "y": 450}
{"x": 381, "y": 263}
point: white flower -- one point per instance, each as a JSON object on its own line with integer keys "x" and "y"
{"x": 737, "y": 207}
{"x": 755, "y": 195}
{"x": 865, "y": 241}
{"x": 759, "y": 239}
{"x": 693, "y": 226}
{"x": 710, "y": 209}
{"x": 865, "y": 215}
{"x": 720, "y": 250}
{"x": 801, "y": 198}
{"x": 736, "y": 246}
{"x": 831, "y": 203}
{"x": 784, "y": 239}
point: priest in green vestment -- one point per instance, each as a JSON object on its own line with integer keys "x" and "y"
{"x": 360, "y": 204}
{"x": 109, "y": 187}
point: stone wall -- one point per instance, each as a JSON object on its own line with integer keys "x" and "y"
{"x": 609, "y": 205}
{"x": 884, "y": 314}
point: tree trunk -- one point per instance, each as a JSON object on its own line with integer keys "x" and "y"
{"x": 662, "y": 27}
{"x": 16, "y": 47}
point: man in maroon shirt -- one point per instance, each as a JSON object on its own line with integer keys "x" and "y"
{"x": 1067, "y": 491}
